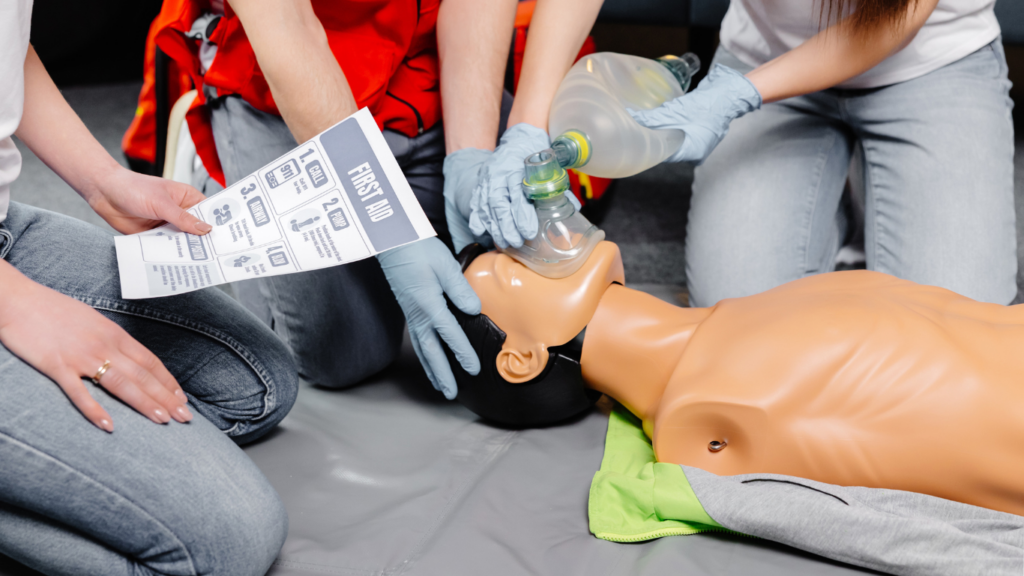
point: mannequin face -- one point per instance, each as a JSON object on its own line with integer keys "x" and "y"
{"x": 537, "y": 312}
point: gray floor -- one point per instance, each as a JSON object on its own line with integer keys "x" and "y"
{"x": 446, "y": 500}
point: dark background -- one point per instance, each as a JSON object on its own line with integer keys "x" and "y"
{"x": 103, "y": 41}
{"x": 92, "y": 41}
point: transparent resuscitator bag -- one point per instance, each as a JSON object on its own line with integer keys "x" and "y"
{"x": 596, "y": 135}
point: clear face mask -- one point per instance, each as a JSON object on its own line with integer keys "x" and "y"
{"x": 565, "y": 238}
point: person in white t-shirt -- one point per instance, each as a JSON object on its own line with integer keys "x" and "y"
{"x": 919, "y": 86}
{"x": 103, "y": 468}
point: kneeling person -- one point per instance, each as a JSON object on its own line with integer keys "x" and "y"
{"x": 283, "y": 73}
{"x": 123, "y": 490}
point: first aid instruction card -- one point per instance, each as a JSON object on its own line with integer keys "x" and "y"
{"x": 338, "y": 198}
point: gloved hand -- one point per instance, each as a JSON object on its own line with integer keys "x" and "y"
{"x": 420, "y": 274}
{"x": 499, "y": 205}
{"x": 704, "y": 114}
{"x": 461, "y": 171}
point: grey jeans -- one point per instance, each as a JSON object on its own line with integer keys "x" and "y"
{"x": 938, "y": 179}
{"x": 147, "y": 499}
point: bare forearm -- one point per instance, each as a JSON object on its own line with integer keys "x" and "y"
{"x": 128, "y": 201}
{"x": 835, "y": 55}
{"x": 473, "y": 40}
{"x": 52, "y": 130}
{"x": 290, "y": 44}
{"x": 557, "y": 32}
{"x": 12, "y": 287}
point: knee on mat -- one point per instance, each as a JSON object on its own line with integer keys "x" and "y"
{"x": 282, "y": 382}
{"x": 247, "y": 396}
{"x": 240, "y": 529}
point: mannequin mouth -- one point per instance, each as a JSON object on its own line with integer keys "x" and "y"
{"x": 558, "y": 393}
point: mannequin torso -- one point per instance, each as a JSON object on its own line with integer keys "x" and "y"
{"x": 851, "y": 378}
{"x": 854, "y": 378}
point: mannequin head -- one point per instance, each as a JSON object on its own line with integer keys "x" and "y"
{"x": 529, "y": 336}
{"x": 535, "y": 312}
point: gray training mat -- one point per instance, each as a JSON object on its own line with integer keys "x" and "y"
{"x": 389, "y": 478}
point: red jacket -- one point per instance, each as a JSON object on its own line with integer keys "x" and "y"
{"x": 386, "y": 48}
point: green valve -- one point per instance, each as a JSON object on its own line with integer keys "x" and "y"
{"x": 545, "y": 178}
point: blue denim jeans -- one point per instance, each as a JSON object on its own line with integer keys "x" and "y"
{"x": 938, "y": 179}
{"x": 147, "y": 499}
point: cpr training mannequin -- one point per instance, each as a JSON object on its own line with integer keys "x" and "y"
{"x": 850, "y": 378}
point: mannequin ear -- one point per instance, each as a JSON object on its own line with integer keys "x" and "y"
{"x": 518, "y": 366}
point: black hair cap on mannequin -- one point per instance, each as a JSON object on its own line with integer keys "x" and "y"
{"x": 557, "y": 394}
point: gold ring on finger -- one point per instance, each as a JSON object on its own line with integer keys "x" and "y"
{"x": 99, "y": 373}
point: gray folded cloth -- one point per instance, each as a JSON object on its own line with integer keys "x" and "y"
{"x": 890, "y": 531}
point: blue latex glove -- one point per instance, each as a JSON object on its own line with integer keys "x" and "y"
{"x": 420, "y": 274}
{"x": 704, "y": 114}
{"x": 499, "y": 205}
{"x": 461, "y": 173}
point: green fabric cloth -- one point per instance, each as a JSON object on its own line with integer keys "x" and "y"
{"x": 633, "y": 497}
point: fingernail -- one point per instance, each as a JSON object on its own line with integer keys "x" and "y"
{"x": 203, "y": 227}
{"x": 107, "y": 425}
{"x": 181, "y": 396}
{"x": 183, "y": 414}
{"x": 161, "y": 416}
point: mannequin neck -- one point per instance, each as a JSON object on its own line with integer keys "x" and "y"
{"x": 632, "y": 346}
